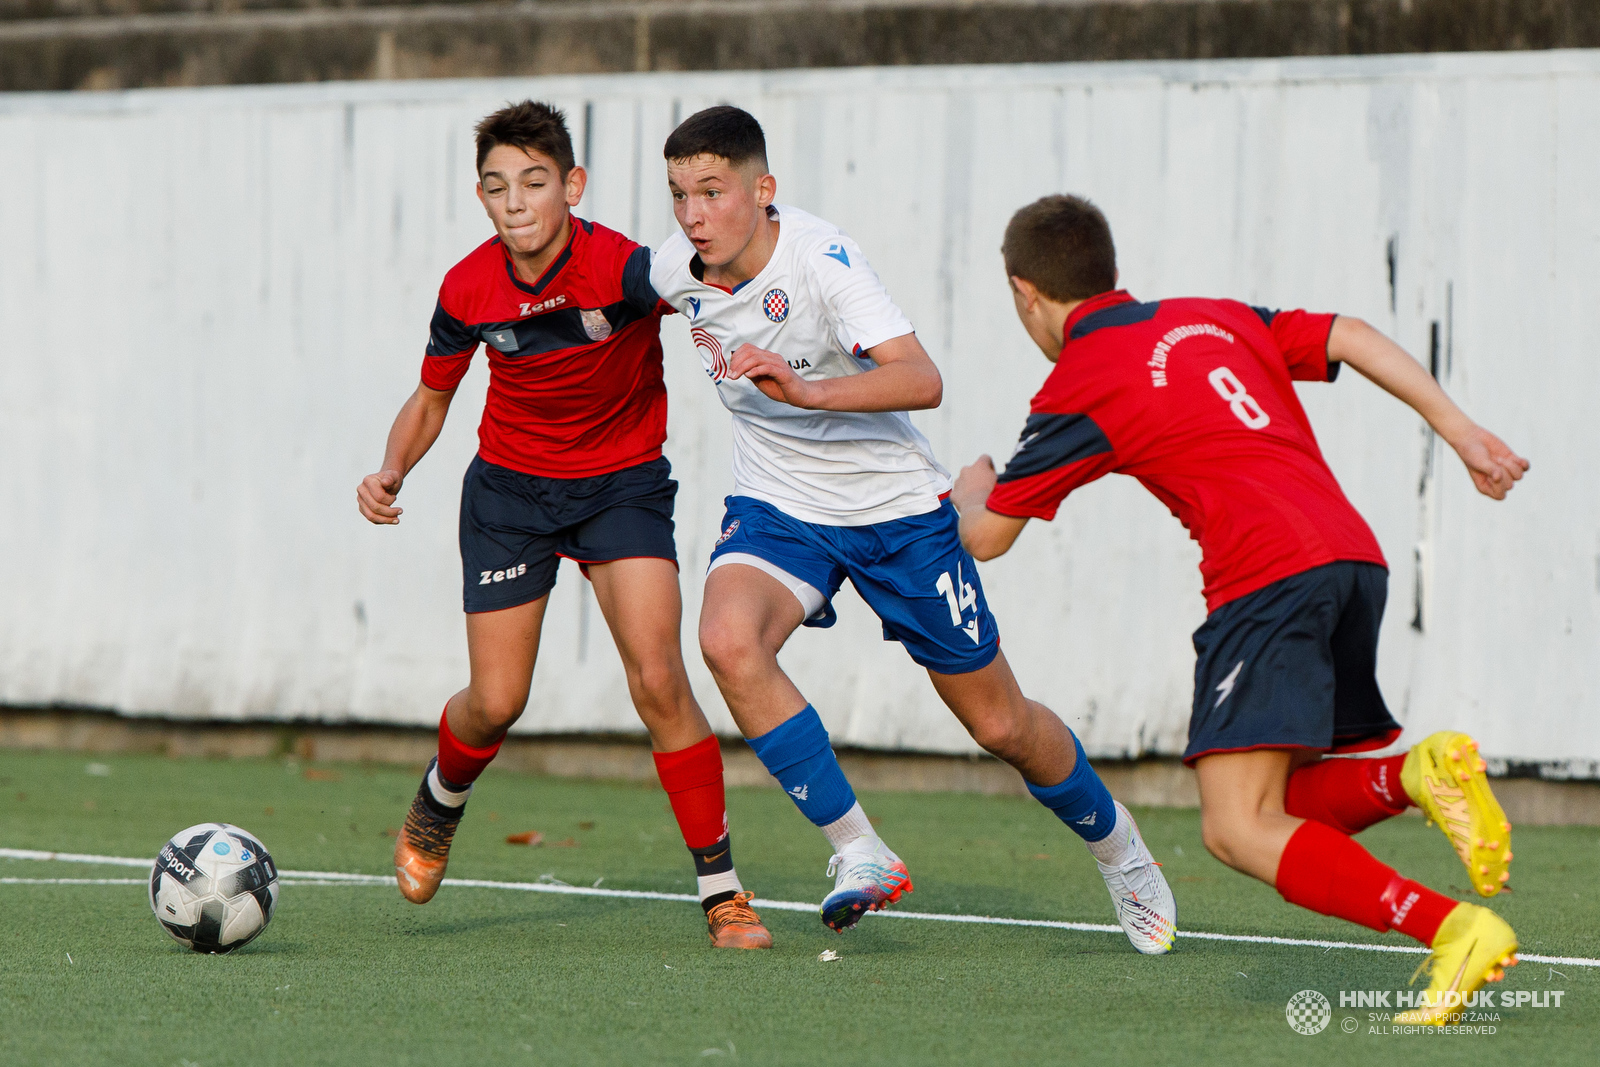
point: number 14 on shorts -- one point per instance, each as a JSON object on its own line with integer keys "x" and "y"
{"x": 959, "y": 602}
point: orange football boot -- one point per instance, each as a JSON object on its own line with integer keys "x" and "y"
{"x": 422, "y": 850}
{"x": 735, "y": 924}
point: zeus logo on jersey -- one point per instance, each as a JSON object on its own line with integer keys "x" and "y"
{"x": 553, "y": 302}
{"x": 490, "y": 577}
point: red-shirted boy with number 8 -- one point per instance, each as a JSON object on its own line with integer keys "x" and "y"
{"x": 1195, "y": 398}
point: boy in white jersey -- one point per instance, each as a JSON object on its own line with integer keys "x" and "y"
{"x": 832, "y": 481}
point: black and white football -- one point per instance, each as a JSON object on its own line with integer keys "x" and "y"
{"x": 214, "y": 887}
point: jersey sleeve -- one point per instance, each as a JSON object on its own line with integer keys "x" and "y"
{"x": 1302, "y": 338}
{"x": 856, "y": 295}
{"x": 1057, "y": 454}
{"x": 451, "y": 346}
{"x": 637, "y": 288}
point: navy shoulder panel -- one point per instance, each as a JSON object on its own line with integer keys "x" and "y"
{"x": 1053, "y": 441}
{"x": 1265, "y": 314}
{"x": 1115, "y": 315}
{"x": 448, "y": 335}
{"x": 636, "y": 287}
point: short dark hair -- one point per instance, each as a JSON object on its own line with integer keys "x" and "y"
{"x": 530, "y": 126}
{"x": 1062, "y": 244}
{"x": 725, "y": 131}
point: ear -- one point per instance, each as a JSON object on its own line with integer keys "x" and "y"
{"x": 577, "y": 182}
{"x": 1026, "y": 291}
{"x": 481, "y": 198}
{"x": 766, "y": 190}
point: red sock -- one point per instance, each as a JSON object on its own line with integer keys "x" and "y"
{"x": 1323, "y": 870}
{"x": 692, "y": 778}
{"x": 1347, "y": 794}
{"x": 460, "y": 764}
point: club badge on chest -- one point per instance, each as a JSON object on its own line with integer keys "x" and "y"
{"x": 595, "y": 324}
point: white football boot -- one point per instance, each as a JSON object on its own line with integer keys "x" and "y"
{"x": 868, "y": 877}
{"x": 1144, "y": 904}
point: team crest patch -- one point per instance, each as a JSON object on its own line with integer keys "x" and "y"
{"x": 776, "y": 304}
{"x": 732, "y": 529}
{"x": 595, "y": 324}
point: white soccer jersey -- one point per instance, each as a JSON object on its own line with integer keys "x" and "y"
{"x": 821, "y": 306}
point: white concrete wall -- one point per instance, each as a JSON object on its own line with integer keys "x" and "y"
{"x": 213, "y": 301}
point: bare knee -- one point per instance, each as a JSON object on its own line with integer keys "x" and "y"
{"x": 1223, "y": 834}
{"x": 658, "y": 685}
{"x": 1002, "y": 732}
{"x": 495, "y": 712}
{"x": 731, "y": 652}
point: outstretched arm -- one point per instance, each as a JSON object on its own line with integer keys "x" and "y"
{"x": 984, "y": 533}
{"x": 905, "y": 379}
{"x": 1495, "y": 469}
{"x": 415, "y": 430}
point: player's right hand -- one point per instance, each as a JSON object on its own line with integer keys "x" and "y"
{"x": 375, "y": 495}
{"x": 1495, "y": 469}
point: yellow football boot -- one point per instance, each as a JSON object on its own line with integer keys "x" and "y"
{"x": 1473, "y": 946}
{"x": 1443, "y": 775}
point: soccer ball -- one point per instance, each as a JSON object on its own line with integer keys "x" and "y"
{"x": 214, "y": 888}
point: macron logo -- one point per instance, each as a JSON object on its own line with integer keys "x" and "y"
{"x": 799, "y": 792}
{"x": 694, "y": 308}
{"x": 836, "y": 251}
{"x": 1088, "y": 821}
{"x": 1226, "y": 688}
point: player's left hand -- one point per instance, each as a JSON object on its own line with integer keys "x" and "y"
{"x": 1495, "y": 469}
{"x": 973, "y": 485}
{"x": 770, "y": 373}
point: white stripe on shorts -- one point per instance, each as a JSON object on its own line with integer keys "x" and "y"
{"x": 811, "y": 599}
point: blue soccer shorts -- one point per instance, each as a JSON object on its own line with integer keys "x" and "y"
{"x": 912, "y": 572}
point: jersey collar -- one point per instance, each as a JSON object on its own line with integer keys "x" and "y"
{"x": 1070, "y": 329}
{"x": 550, "y": 272}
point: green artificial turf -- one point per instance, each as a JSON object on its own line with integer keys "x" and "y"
{"x": 350, "y": 975}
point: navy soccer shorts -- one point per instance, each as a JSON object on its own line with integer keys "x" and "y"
{"x": 515, "y": 527}
{"x": 1294, "y": 665}
{"x": 913, "y": 573}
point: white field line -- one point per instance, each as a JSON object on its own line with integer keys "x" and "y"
{"x": 335, "y": 878}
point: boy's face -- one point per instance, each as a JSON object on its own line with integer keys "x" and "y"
{"x": 718, "y": 205}
{"x": 526, "y": 198}
{"x": 1038, "y": 317}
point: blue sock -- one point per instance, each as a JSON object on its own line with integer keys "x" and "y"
{"x": 797, "y": 754}
{"x": 1082, "y": 801}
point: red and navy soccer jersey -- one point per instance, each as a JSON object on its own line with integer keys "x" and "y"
{"x": 575, "y": 385}
{"x": 1195, "y": 399}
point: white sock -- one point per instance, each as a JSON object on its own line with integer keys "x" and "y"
{"x": 712, "y": 884}
{"x": 1117, "y": 847}
{"x": 441, "y": 794}
{"x": 849, "y": 826}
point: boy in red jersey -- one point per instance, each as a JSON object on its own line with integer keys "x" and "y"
{"x": 569, "y": 464}
{"x": 1195, "y": 399}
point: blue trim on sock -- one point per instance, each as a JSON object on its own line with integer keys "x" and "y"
{"x": 1082, "y": 801}
{"x": 798, "y": 755}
